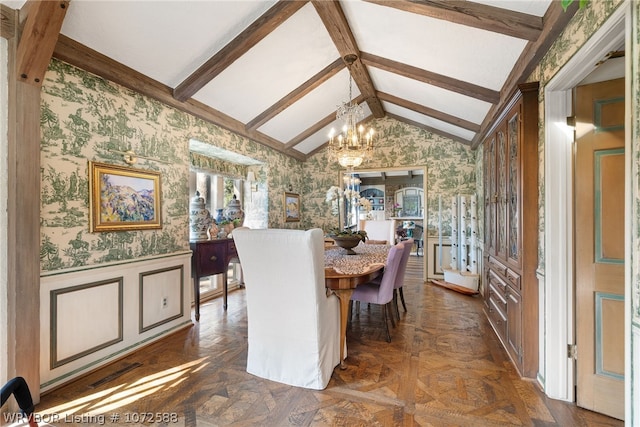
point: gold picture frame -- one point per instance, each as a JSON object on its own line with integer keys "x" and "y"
{"x": 291, "y": 207}
{"x": 123, "y": 199}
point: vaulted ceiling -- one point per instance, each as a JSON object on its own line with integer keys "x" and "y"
{"x": 275, "y": 71}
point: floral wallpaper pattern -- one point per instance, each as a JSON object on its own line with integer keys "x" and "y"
{"x": 586, "y": 21}
{"x": 635, "y": 183}
{"x": 584, "y": 24}
{"x": 84, "y": 117}
{"x": 451, "y": 170}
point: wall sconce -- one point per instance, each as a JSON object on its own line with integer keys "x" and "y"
{"x": 571, "y": 122}
{"x": 251, "y": 179}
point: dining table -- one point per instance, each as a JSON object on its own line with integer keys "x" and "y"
{"x": 344, "y": 272}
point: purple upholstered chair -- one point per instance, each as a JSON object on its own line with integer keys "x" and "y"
{"x": 382, "y": 293}
{"x": 397, "y": 287}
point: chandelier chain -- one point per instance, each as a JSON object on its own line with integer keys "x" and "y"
{"x": 352, "y": 146}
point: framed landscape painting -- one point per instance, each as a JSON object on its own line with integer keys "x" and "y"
{"x": 291, "y": 207}
{"x": 122, "y": 198}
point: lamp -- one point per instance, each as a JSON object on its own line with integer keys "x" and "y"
{"x": 251, "y": 178}
{"x": 131, "y": 158}
{"x": 352, "y": 146}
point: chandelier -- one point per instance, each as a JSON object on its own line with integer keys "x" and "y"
{"x": 352, "y": 146}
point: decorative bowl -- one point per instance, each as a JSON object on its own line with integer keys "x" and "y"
{"x": 347, "y": 243}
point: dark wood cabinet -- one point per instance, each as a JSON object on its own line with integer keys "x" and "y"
{"x": 211, "y": 257}
{"x": 511, "y": 228}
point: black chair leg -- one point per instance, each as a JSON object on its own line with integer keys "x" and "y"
{"x": 395, "y": 304}
{"x": 404, "y": 306}
{"x": 386, "y": 323}
{"x": 393, "y": 318}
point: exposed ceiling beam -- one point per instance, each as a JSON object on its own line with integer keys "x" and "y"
{"x": 240, "y": 45}
{"x": 336, "y": 24}
{"x": 438, "y": 115}
{"x": 317, "y": 126}
{"x": 8, "y": 21}
{"x": 555, "y": 21}
{"x": 297, "y": 94}
{"x": 38, "y": 39}
{"x": 484, "y": 17}
{"x": 430, "y": 129}
{"x": 77, "y": 54}
{"x": 424, "y": 76}
{"x": 310, "y": 131}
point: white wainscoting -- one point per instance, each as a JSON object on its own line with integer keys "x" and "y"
{"x": 92, "y": 316}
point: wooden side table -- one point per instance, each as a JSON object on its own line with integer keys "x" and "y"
{"x": 211, "y": 257}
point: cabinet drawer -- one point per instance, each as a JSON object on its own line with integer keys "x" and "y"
{"x": 211, "y": 260}
{"x": 497, "y": 319}
{"x": 497, "y": 265}
{"x": 513, "y": 278}
{"x": 496, "y": 281}
{"x": 497, "y": 299}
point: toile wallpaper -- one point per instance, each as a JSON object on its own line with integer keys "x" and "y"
{"x": 84, "y": 117}
{"x": 635, "y": 173}
{"x": 451, "y": 170}
{"x": 584, "y": 24}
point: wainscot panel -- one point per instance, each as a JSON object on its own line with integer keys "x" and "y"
{"x": 94, "y": 315}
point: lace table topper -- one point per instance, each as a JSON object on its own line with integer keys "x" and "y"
{"x": 366, "y": 255}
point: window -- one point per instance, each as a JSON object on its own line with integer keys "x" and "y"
{"x": 217, "y": 191}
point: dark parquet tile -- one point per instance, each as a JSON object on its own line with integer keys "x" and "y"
{"x": 443, "y": 367}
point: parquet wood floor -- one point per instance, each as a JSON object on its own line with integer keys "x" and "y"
{"x": 443, "y": 367}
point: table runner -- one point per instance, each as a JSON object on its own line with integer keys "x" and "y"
{"x": 366, "y": 255}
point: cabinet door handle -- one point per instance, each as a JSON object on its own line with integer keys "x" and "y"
{"x": 213, "y": 258}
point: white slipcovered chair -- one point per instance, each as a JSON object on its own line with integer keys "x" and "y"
{"x": 293, "y": 325}
{"x": 379, "y": 230}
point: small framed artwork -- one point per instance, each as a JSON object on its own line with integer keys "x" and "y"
{"x": 291, "y": 207}
{"x": 123, "y": 199}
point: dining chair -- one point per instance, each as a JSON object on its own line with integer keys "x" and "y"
{"x": 378, "y": 231}
{"x": 397, "y": 287}
{"x": 418, "y": 239}
{"x": 407, "y": 245}
{"x": 381, "y": 293}
{"x": 293, "y": 324}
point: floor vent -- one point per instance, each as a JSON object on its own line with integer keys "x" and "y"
{"x": 115, "y": 374}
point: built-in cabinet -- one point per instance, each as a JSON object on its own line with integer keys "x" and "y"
{"x": 511, "y": 228}
{"x": 375, "y": 195}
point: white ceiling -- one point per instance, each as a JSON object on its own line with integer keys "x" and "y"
{"x": 167, "y": 41}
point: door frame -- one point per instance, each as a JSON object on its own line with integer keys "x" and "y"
{"x": 557, "y": 296}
